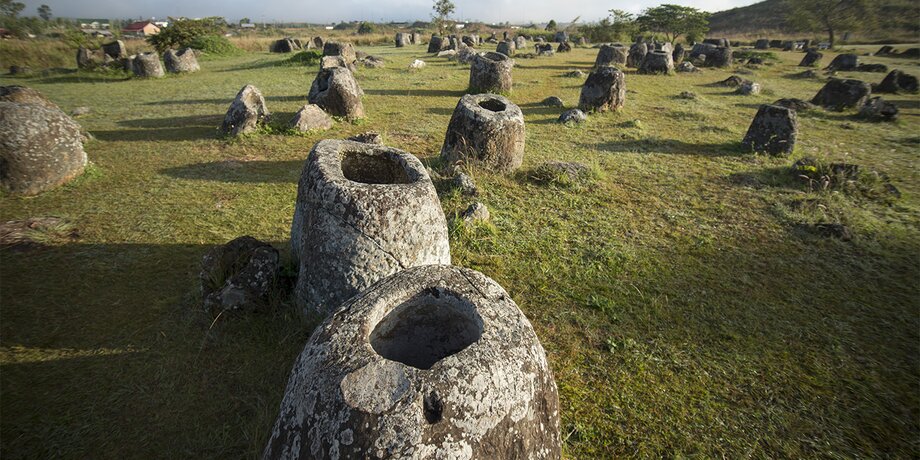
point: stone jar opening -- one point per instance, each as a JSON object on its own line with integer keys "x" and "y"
{"x": 373, "y": 169}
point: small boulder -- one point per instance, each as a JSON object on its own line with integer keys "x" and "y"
{"x": 116, "y": 49}
{"x": 733, "y": 81}
{"x": 572, "y": 116}
{"x": 812, "y": 58}
{"x": 687, "y": 67}
{"x": 447, "y": 53}
{"x": 636, "y": 55}
{"x": 465, "y": 184}
{"x": 476, "y": 212}
{"x": 417, "y": 64}
{"x": 373, "y": 62}
{"x": 795, "y": 104}
{"x": 564, "y": 47}
{"x": 839, "y": 94}
{"x": 749, "y": 88}
{"x": 897, "y": 82}
{"x": 368, "y": 137}
{"x": 310, "y": 117}
{"x": 575, "y": 74}
{"x": 239, "y": 276}
{"x": 657, "y": 62}
{"x": 774, "y": 131}
{"x": 247, "y": 112}
{"x": 544, "y": 49}
{"x": 80, "y": 111}
{"x": 878, "y": 109}
{"x": 552, "y": 101}
{"x": 878, "y": 68}
{"x": 338, "y": 93}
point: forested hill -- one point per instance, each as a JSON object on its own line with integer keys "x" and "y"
{"x": 898, "y": 16}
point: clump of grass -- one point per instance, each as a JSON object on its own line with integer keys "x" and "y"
{"x": 304, "y": 58}
{"x": 564, "y": 174}
{"x": 845, "y": 177}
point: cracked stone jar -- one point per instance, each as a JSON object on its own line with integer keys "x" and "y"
{"x": 433, "y": 362}
{"x": 487, "y": 129}
{"x": 363, "y": 212}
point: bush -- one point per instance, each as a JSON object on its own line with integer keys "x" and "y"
{"x": 213, "y": 44}
{"x": 365, "y": 28}
{"x": 305, "y": 58}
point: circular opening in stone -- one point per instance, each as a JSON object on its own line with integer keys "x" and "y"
{"x": 493, "y": 105}
{"x": 427, "y": 328}
{"x": 373, "y": 169}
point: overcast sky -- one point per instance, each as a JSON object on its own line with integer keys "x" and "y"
{"x": 346, "y": 10}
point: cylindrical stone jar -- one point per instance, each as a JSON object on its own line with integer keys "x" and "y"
{"x": 609, "y": 55}
{"x": 434, "y": 362}
{"x": 491, "y": 73}
{"x": 486, "y": 129}
{"x": 605, "y": 89}
{"x": 363, "y": 212}
{"x": 148, "y": 65}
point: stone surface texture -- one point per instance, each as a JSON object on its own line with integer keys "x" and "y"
{"x": 337, "y": 92}
{"x": 183, "y": 61}
{"x": 657, "y": 62}
{"x": 774, "y": 131}
{"x": 147, "y": 65}
{"x": 247, "y": 112}
{"x": 491, "y": 73}
{"x": 239, "y": 275}
{"x": 363, "y": 212}
{"x": 434, "y": 362}
{"x": 611, "y": 55}
{"x": 310, "y": 117}
{"x": 839, "y": 94}
{"x": 605, "y": 89}
{"x": 40, "y": 148}
{"x": 486, "y": 129}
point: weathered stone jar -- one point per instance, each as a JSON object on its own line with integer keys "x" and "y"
{"x": 337, "y": 92}
{"x": 657, "y": 62}
{"x": 774, "y": 131}
{"x": 609, "y": 55}
{"x": 491, "y": 73}
{"x": 486, "y": 129}
{"x": 363, "y": 212}
{"x": 148, "y": 65}
{"x": 433, "y": 362}
{"x": 605, "y": 89}
{"x": 183, "y": 61}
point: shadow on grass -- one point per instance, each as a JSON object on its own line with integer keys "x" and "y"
{"x": 234, "y": 171}
{"x": 127, "y": 340}
{"x": 670, "y": 146}
{"x": 776, "y": 177}
{"x": 188, "y": 128}
{"x": 416, "y": 92}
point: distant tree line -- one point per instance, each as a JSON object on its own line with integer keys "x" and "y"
{"x": 671, "y": 22}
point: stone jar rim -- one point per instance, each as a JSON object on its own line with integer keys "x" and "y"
{"x": 331, "y": 155}
{"x": 472, "y": 103}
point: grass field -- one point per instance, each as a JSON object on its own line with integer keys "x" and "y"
{"x": 684, "y": 310}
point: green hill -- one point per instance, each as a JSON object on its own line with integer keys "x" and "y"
{"x": 894, "y": 18}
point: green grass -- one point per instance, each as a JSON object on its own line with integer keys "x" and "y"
{"x": 683, "y": 311}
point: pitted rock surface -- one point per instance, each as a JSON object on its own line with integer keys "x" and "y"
{"x": 572, "y": 116}
{"x": 838, "y": 94}
{"x": 147, "y": 65}
{"x": 344, "y": 49}
{"x": 491, "y": 73}
{"x": 337, "y": 92}
{"x": 506, "y": 47}
{"x": 774, "y": 131}
{"x": 678, "y": 54}
{"x": 40, "y": 148}
{"x": 363, "y": 212}
{"x": 486, "y": 129}
{"x": 247, "y": 112}
{"x": 878, "y": 109}
{"x": 116, "y": 49}
{"x": 285, "y": 45}
{"x": 609, "y": 55}
{"x": 25, "y": 95}
{"x": 402, "y": 39}
{"x": 605, "y": 89}
{"x": 183, "y": 61}
{"x": 436, "y": 44}
{"x": 657, "y": 62}
{"x": 636, "y": 55}
{"x": 434, "y": 362}
{"x": 719, "y": 57}
{"x": 239, "y": 275}
{"x": 310, "y": 117}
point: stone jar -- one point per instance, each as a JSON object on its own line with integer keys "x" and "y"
{"x": 337, "y": 92}
{"x": 774, "y": 131}
{"x": 183, "y": 61}
{"x": 609, "y": 55}
{"x": 147, "y": 65}
{"x": 491, "y": 73}
{"x": 434, "y": 362}
{"x": 605, "y": 89}
{"x": 657, "y": 62}
{"x": 487, "y": 129}
{"x": 363, "y": 212}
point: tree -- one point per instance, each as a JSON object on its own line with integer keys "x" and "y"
{"x": 674, "y": 21}
{"x": 830, "y": 16}
{"x": 442, "y": 11}
{"x": 10, "y": 9}
{"x": 619, "y": 26}
{"x": 184, "y": 32}
{"x": 245, "y": 21}
{"x": 44, "y": 12}
{"x": 551, "y": 25}
{"x": 365, "y": 28}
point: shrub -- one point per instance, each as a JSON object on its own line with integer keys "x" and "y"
{"x": 305, "y": 58}
{"x": 203, "y": 34}
{"x": 213, "y": 44}
{"x": 365, "y": 28}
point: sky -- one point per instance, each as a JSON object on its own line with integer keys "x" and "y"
{"x": 314, "y": 11}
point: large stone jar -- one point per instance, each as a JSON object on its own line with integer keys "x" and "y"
{"x": 434, "y": 362}
{"x": 487, "y": 129}
{"x": 363, "y": 212}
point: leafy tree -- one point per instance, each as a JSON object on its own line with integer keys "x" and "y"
{"x": 245, "y": 21}
{"x": 44, "y": 12}
{"x": 10, "y": 9}
{"x": 341, "y": 26}
{"x": 674, "y": 21}
{"x": 365, "y": 28}
{"x": 830, "y": 16}
{"x": 551, "y": 25}
{"x": 619, "y": 26}
{"x": 442, "y": 11}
